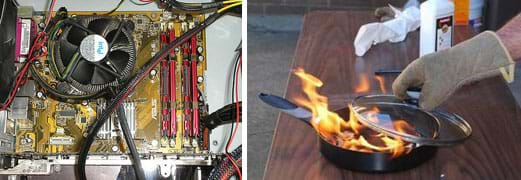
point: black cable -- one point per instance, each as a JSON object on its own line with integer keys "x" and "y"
{"x": 115, "y": 8}
{"x": 225, "y": 169}
{"x": 134, "y": 154}
{"x": 213, "y": 6}
{"x": 236, "y": 63}
{"x": 225, "y": 115}
{"x": 129, "y": 87}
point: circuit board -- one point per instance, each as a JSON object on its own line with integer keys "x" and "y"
{"x": 160, "y": 112}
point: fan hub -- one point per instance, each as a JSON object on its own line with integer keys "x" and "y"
{"x": 94, "y": 48}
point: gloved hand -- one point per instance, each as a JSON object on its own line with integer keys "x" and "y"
{"x": 441, "y": 73}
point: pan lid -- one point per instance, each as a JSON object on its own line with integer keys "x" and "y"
{"x": 396, "y": 118}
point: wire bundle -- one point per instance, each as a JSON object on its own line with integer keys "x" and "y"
{"x": 197, "y": 7}
{"x": 225, "y": 170}
{"x": 37, "y": 51}
{"x": 21, "y": 76}
{"x": 236, "y": 74}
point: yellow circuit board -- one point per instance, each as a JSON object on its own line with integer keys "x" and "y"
{"x": 55, "y": 126}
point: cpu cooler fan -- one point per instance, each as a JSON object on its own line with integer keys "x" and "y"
{"x": 91, "y": 53}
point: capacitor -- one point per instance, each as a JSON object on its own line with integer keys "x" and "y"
{"x": 172, "y": 142}
{"x": 40, "y": 95}
{"x": 153, "y": 73}
{"x": 155, "y": 143}
{"x": 115, "y": 148}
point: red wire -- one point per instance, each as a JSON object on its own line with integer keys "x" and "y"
{"x": 21, "y": 77}
{"x": 51, "y": 8}
{"x": 237, "y": 120}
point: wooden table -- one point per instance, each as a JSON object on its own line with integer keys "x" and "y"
{"x": 325, "y": 49}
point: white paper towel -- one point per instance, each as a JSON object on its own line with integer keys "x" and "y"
{"x": 394, "y": 30}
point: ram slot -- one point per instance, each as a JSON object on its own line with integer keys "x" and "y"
{"x": 186, "y": 92}
{"x": 173, "y": 114}
{"x": 195, "y": 93}
{"x": 164, "y": 89}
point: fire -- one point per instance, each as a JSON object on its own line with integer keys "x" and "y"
{"x": 363, "y": 84}
{"x": 381, "y": 82}
{"x": 349, "y": 134}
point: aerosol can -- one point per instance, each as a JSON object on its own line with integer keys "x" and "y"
{"x": 437, "y": 25}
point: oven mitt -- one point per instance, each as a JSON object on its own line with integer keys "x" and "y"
{"x": 440, "y": 74}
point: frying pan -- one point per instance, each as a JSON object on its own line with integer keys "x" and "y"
{"x": 374, "y": 162}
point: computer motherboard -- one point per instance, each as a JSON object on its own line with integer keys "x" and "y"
{"x": 159, "y": 122}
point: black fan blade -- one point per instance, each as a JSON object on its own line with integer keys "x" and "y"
{"x": 101, "y": 77}
{"x": 75, "y": 35}
{"x": 122, "y": 39}
{"x": 84, "y": 72}
{"x": 119, "y": 59}
{"x": 67, "y": 50}
{"x": 102, "y": 26}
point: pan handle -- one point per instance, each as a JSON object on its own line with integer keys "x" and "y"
{"x": 414, "y": 94}
{"x": 287, "y": 107}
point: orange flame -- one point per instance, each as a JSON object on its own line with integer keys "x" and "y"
{"x": 363, "y": 84}
{"x": 350, "y": 134}
{"x": 381, "y": 82}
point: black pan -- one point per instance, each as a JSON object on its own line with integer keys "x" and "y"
{"x": 378, "y": 162}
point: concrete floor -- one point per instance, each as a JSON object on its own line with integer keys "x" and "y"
{"x": 271, "y": 46}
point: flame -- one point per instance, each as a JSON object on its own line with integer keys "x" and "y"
{"x": 350, "y": 134}
{"x": 381, "y": 82}
{"x": 363, "y": 84}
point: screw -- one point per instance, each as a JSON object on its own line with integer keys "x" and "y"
{"x": 215, "y": 143}
{"x": 41, "y": 25}
{"x": 57, "y": 168}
